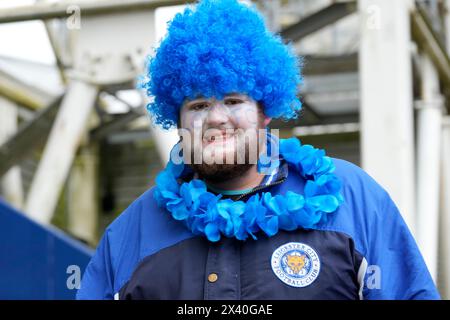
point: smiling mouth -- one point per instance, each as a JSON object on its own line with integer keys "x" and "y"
{"x": 218, "y": 138}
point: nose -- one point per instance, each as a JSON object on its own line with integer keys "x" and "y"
{"x": 217, "y": 114}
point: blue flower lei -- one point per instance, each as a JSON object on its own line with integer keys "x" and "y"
{"x": 204, "y": 213}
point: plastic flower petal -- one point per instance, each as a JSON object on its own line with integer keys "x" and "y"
{"x": 212, "y": 232}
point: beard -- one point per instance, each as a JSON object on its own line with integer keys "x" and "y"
{"x": 243, "y": 157}
{"x": 219, "y": 172}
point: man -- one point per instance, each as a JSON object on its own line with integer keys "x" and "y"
{"x": 237, "y": 213}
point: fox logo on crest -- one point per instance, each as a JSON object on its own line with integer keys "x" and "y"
{"x": 296, "y": 263}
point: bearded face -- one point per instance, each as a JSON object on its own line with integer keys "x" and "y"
{"x": 222, "y": 139}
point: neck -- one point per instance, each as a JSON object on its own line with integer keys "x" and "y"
{"x": 250, "y": 179}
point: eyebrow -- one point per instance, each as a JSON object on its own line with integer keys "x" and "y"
{"x": 193, "y": 101}
{"x": 236, "y": 95}
{"x": 204, "y": 99}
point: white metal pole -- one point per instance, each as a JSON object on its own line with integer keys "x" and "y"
{"x": 60, "y": 150}
{"x": 12, "y": 181}
{"x": 83, "y": 194}
{"x": 429, "y": 119}
{"x": 444, "y": 252}
{"x": 444, "y": 222}
{"x": 386, "y": 111}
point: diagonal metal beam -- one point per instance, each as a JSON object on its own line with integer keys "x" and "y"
{"x": 23, "y": 93}
{"x": 427, "y": 41}
{"x": 119, "y": 122}
{"x": 29, "y": 137}
{"x": 319, "y": 20}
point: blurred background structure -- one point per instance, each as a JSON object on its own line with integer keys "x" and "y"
{"x": 77, "y": 147}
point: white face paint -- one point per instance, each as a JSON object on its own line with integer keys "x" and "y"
{"x": 220, "y": 129}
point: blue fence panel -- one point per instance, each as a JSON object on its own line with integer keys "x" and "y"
{"x": 37, "y": 262}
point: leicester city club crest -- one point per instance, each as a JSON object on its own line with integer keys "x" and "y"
{"x": 296, "y": 264}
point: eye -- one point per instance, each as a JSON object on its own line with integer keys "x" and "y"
{"x": 233, "y": 101}
{"x": 198, "y": 106}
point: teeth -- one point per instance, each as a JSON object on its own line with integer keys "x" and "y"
{"x": 218, "y": 137}
{"x": 215, "y": 138}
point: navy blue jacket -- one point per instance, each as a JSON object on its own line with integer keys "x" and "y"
{"x": 363, "y": 251}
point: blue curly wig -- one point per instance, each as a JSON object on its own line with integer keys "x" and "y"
{"x": 216, "y": 48}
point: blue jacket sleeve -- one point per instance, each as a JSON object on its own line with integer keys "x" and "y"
{"x": 396, "y": 268}
{"x": 97, "y": 282}
{"x": 392, "y": 266}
